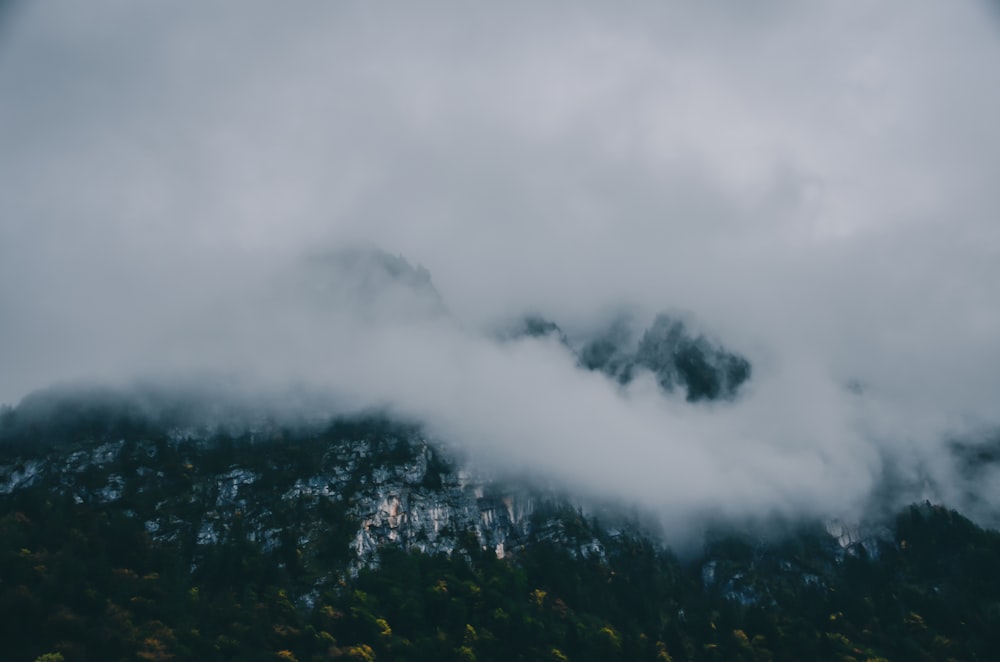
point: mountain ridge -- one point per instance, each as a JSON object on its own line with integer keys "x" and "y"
{"x": 363, "y": 539}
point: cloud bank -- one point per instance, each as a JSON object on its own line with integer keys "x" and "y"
{"x": 812, "y": 184}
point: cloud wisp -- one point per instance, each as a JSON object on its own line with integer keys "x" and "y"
{"x": 813, "y": 184}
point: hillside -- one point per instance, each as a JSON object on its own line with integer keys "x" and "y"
{"x": 362, "y": 539}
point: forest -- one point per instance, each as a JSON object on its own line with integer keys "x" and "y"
{"x": 84, "y": 579}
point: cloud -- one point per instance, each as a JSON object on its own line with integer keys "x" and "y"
{"x": 812, "y": 183}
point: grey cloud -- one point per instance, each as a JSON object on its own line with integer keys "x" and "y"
{"x": 813, "y": 183}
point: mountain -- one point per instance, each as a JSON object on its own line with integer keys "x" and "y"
{"x": 369, "y": 282}
{"x": 132, "y": 537}
{"x": 678, "y": 359}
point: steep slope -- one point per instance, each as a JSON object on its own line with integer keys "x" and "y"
{"x": 362, "y": 539}
{"x": 701, "y": 368}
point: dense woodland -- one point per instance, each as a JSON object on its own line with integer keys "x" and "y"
{"x": 86, "y": 581}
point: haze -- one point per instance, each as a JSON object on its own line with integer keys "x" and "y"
{"x": 813, "y": 183}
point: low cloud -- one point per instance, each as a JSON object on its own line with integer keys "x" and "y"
{"x": 812, "y": 186}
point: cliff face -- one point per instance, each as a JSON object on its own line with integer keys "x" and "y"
{"x": 122, "y": 537}
{"x": 336, "y": 497}
{"x": 322, "y": 506}
{"x": 208, "y": 546}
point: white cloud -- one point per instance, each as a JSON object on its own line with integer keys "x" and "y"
{"x": 813, "y": 182}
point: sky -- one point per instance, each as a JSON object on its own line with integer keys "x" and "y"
{"x": 814, "y": 183}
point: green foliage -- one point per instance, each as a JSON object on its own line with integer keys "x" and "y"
{"x": 678, "y": 359}
{"x": 86, "y": 582}
{"x": 535, "y": 326}
{"x": 704, "y": 370}
{"x": 83, "y": 579}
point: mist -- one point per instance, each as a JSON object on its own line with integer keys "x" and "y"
{"x": 201, "y": 192}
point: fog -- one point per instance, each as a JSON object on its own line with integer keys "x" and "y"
{"x": 195, "y": 191}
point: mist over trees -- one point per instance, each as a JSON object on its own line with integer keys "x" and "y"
{"x": 205, "y": 214}
{"x": 702, "y": 369}
{"x": 116, "y": 561}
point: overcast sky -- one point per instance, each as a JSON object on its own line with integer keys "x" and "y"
{"x": 815, "y": 183}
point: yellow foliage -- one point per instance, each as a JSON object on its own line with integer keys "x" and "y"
{"x": 154, "y": 650}
{"x": 915, "y": 620}
{"x": 363, "y": 652}
{"x": 611, "y": 637}
{"x": 331, "y": 613}
{"x": 283, "y": 630}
